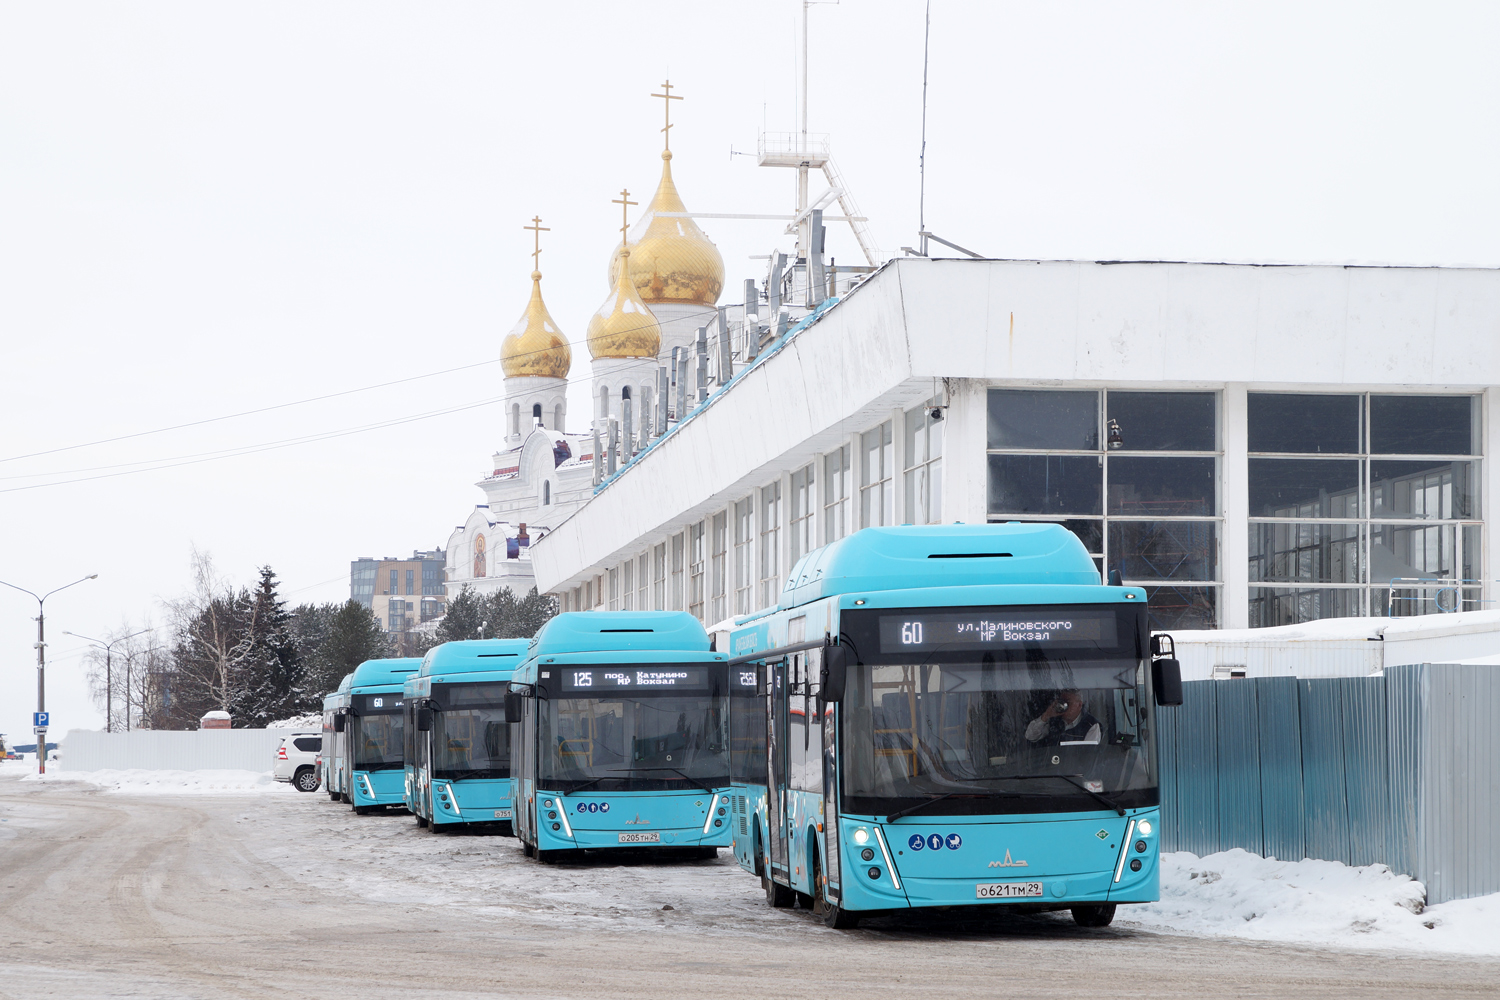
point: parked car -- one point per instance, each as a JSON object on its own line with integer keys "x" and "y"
{"x": 297, "y": 761}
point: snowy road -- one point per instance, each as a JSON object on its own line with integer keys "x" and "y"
{"x": 239, "y": 895}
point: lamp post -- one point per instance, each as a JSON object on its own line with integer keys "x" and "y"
{"x": 41, "y": 664}
{"x": 109, "y": 689}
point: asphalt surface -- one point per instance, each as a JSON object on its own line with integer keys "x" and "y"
{"x": 286, "y": 895}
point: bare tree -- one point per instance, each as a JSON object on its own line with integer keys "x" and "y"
{"x": 113, "y": 667}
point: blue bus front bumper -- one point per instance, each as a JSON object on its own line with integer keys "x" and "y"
{"x": 475, "y": 800}
{"x": 632, "y": 819}
{"x": 378, "y": 788}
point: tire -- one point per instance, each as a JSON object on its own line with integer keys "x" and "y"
{"x": 1094, "y": 916}
{"x": 306, "y": 780}
{"x": 832, "y": 914}
{"x": 333, "y": 796}
{"x": 705, "y": 853}
{"x": 528, "y": 850}
{"x": 344, "y": 798}
{"x": 362, "y": 810}
{"x": 421, "y": 820}
{"x": 778, "y": 896}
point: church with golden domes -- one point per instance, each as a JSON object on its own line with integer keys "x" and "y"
{"x": 665, "y": 278}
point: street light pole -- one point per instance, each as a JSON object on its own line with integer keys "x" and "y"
{"x": 41, "y": 663}
{"x": 109, "y": 695}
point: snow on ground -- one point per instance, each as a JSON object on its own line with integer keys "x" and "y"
{"x": 1239, "y": 894}
{"x": 144, "y": 782}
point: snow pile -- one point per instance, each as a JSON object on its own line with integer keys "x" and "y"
{"x": 141, "y": 781}
{"x": 302, "y": 723}
{"x": 1239, "y": 894}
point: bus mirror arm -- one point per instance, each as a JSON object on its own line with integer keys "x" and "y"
{"x": 835, "y": 671}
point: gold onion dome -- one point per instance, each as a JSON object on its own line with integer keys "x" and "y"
{"x": 671, "y": 261}
{"x": 623, "y": 327}
{"x": 536, "y": 346}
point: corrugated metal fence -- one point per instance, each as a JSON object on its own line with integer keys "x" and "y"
{"x": 1401, "y": 769}
{"x": 196, "y": 750}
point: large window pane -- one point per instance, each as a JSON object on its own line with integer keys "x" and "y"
{"x": 1163, "y": 421}
{"x": 1178, "y": 487}
{"x": 1181, "y": 607}
{"x": 1045, "y": 484}
{"x": 1422, "y": 425}
{"x": 1429, "y": 490}
{"x": 1032, "y": 418}
{"x": 1305, "y": 553}
{"x": 1164, "y": 550}
{"x": 1304, "y": 422}
{"x": 1292, "y": 487}
{"x": 1286, "y": 606}
{"x": 1416, "y": 551}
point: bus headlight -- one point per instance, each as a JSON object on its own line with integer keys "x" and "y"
{"x": 861, "y": 835}
{"x": 1144, "y": 828}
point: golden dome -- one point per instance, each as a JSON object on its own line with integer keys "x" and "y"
{"x": 671, "y": 260}
{"x": 623, "y": 327}
{"x": 536, "y": 346}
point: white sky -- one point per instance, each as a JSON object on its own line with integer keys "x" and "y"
{"x": 208, "y": 208}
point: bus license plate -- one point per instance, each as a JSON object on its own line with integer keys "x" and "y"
{"x": 640, "y": 838}
{"x": 502, "y": 814}
{"x": 1007, "y": 890}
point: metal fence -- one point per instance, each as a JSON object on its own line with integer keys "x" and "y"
{"x": 1401, "y": 769}
{"x": 158, "y": 750}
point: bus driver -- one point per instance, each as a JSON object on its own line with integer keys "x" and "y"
{"x": 1064, "y": 721}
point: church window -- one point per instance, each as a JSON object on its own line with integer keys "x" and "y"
{"x": 876, "y": 486}
{"x": 659, "y": 577}
{"x": 770, "y": 544}
{"x": 604, "y": 402}
{"x": 536, "y": 413}
{"x": 695, "y": 570}
{"x": 679, "y": 553}
{"x": 557, "y": 418}
{"x": 546, "y": 493}
{"x": 744, "y": 554}
{"x": 515, "y": 419}
{"x": 835, "y": 494}
{"x": 803, "y": 506}
{"x": 718, "y": 572}
{"x": 924, "y": 464}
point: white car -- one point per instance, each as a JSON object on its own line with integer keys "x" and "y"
{"x": 297, "y": 761}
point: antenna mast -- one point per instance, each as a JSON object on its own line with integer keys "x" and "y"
{"x": 922, "y": 156}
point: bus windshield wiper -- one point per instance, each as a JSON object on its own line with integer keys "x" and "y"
{"x": 695, "y": 782}
{"x": 1072, "y": 779}
{"x": 579, "y": 788}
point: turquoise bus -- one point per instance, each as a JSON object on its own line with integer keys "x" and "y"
{"x": 335, "y": 743}
{"x": 374, "y": 767}
{"x": 949, "y": 715}
{"x": 622, "y": 736}
{"x": 457, "y": 739}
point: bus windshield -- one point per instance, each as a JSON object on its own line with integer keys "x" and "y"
{"x": 377, "y": 742}
{"x": 470, "y": 737}
{"x": 636, "y": 740}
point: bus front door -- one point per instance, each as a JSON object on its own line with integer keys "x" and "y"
{"x": 776, "y": 763}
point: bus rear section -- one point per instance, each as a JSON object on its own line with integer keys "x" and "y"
{"x": 623, "y": 737}
{"x": 458, "y": 770}
{"x": 335, "y": 741}
{"x": 375, "y": 767}
{"x": 953, "y": 741}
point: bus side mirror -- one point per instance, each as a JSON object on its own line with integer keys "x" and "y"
{"x": 1166, "y": 678}
{"x": 338, "y": 722}
{"x": 424, "y": 720}
{"x": 835, "y": 671}
{"x": 513, "y": 707}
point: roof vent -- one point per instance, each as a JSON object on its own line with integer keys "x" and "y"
{"x": 627, "y": 630}
{"x": 970, "y": 555}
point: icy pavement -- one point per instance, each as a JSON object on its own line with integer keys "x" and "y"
{"x": 147, "y": 782}
{"x": 1239, "y": 894}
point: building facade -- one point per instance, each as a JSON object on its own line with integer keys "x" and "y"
{"x": 401, "y": 593}
{"x": 1253, "y": 445}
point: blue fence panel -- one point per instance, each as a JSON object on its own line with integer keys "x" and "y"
{"x": 1366, "y": 781}
{"x": 1280, "y": 768}
{"x": 1406, "y": 727}
{"x": 1166, "y": 766}
{"x": 1326, "y": 810}
{"x": 1238, "y": 748}
{"x": 1197, "y": 762}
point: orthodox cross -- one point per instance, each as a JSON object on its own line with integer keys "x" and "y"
{"x": 667, "y": 97}
{"x": 537, "y": 229}
{"x": 624, "y": 202}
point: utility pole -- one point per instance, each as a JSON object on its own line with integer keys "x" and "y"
{"x": 40, "y": 719}
{"x": 109, "y": 694}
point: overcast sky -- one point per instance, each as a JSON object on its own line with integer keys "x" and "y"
{"x": 210, "y": 208}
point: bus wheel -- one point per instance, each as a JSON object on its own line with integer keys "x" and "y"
{"x": 421, "y": 820}
{"x": 333, "y": 796}
{"x": 306, "y": 780}
{"x": 527, "y": 850}
{"x": 1094, "y": 916}
{"x": 777, "y": 895}
{"x": 833, "y": 915}
{"x": 361, "y": 810}
{"x": 705, "y": 853}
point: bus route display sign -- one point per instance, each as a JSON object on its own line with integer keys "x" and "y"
{"x": 667, "y": 677}
{"x": 988, "y": 629}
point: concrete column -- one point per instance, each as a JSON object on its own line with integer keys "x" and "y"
{"x": 1489, "y": 500}
{"x": 899, "y": 513}
{"x": 1234, "y": 505}
{"x": 965, "y": 464}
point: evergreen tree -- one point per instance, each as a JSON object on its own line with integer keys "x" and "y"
{"x": 272, "y": 681}
{"x": 501, "y": 615}
{"x": 466, "y": 618}
{"x": 336, "y": 638}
